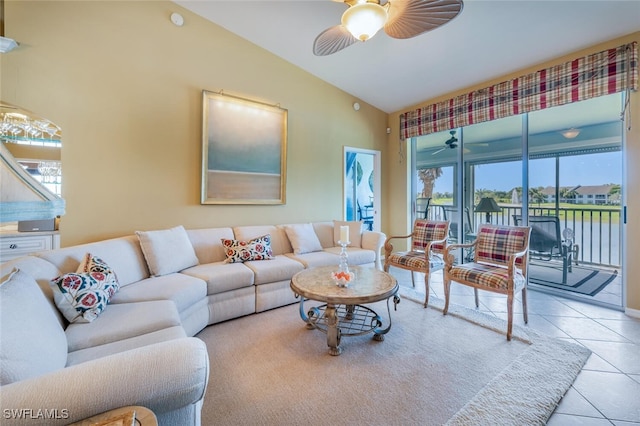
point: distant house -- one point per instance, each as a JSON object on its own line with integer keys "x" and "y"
{"x": 598, "y": 194}
{"x": 595, "y": 194}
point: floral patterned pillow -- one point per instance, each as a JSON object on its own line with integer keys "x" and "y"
{"x": 83, "y": 295}
{"x": 242, "y": 251}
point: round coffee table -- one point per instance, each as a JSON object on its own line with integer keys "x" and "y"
{"x": 343, "y": 313}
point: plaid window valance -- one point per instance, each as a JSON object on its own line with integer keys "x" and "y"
{"x": 610, "y": 71}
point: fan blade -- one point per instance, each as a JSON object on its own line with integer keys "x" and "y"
{"x": 409, "y": 18}
{"x": 332, "y": 40}
{"x": 440, "y": 150}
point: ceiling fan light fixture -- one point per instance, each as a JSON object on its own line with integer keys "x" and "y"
{"x": 571, "y": 133}
{"x": 364, "y": 20}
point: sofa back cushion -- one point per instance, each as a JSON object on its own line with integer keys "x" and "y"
{"x": 32, "y": 340}
{"x": 324, "y": 231}
{"x": 122, "y": 254}
{"x": 42, "y": 271}
{"x": 167, "y": 250}
{"x": 279, "y": 241}
{"x": 303, "y": 238}
{"x": 208, "y": 245}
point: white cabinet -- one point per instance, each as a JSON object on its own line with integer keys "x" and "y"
{"x": 15, "y": 244}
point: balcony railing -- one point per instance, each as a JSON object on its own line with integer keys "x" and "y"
{"x": 597, "y": 230}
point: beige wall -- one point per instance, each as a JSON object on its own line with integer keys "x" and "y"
{"x": 125, "y": 85}
{"x": 397, "y": 175}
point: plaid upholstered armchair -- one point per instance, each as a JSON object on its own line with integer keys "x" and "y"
{"x": 428, "y": 241}
{"x": 499, "y": 265}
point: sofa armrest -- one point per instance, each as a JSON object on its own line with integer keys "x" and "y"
{"x": 163, "y": 377}
{"x": 374, "y": 240}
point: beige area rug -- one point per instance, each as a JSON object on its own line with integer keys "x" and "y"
{"x": 268, "y": 369}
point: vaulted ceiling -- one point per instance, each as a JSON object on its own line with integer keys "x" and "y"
{"x": 488, "y": 39}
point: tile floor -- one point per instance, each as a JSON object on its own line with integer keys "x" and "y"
{"x": 607, "y": 390}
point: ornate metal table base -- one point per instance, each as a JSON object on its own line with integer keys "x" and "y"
{"x": 343, "y": 312}
{"x": 346, "y": 320}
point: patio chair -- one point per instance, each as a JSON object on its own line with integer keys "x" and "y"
{"x": 546, "y": 242}
{"x": 453, "y": 229}
{"x": 499, "y": 265}
{"x": 365, "y": 217}
{"x": 428, "y": 241}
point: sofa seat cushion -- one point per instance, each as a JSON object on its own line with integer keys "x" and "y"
{"x": 88, "y": 354}
{"x": 123, "y": 321}
{"x": 357, "y": 256}
{"x": 318, "y": 258}
{"x": 278, "y": 269}
{"x": 222, "y": 276}
{"x": 33, "y": 342}
{"x": 183, "y": 290}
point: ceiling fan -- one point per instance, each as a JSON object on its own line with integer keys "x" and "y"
{"x": 451, "y": 143}
{"x": 400, "y": 18}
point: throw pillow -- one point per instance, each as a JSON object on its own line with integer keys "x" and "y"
{"x": 303, "y": 238}
{"x": 355, "y": 232}
{"x": 167, "y": 251}
{"x": 242, "y": 251}
{"x": 83, "y": 295}
{"x": 33, "y": 342}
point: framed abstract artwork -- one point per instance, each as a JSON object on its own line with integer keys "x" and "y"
{"x": 244, "y": 147}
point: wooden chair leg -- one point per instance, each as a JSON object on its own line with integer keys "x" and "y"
{"x": 446, "y": 283}
{"x": 426, "y": 289}
{"x": 509, "y": 315}
{"x": 524, "y": 305}
{"x": 475, "y": 293}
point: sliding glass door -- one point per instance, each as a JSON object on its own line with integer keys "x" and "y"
{"x": 559, "y": 170}
{"x": 575, "y": 180}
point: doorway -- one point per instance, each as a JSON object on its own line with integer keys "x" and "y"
{"x": 362, "y": 187}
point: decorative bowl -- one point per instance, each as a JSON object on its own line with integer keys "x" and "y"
{"x": 343, "y": 278}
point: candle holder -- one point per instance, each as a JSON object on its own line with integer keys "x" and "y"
{"x": 343, "y": 277}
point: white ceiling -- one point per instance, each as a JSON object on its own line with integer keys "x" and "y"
{"x": 488, "y": 39}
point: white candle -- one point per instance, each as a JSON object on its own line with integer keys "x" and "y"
{"x": 344, "y": 234}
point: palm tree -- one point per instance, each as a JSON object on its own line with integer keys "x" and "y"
{"x": 536, "y": 195}
{"x": 428, "y": 178}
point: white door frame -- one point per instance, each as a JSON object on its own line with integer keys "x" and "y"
{"x": 377, "y": 185}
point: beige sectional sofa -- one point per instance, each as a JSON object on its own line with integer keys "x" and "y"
{"x": 141, "y": 349}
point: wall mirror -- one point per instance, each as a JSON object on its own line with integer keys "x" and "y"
{"x": 30, "y": 166}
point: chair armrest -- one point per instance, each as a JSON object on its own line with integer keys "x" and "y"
{"x": 450, "y": 258}
{"x": 374, "y": 240}
{"x": 443, "y": 242}
{"x": 512, "y": 262}
{"x": 388, "y": 247}
{"x": 163, "y": 377}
